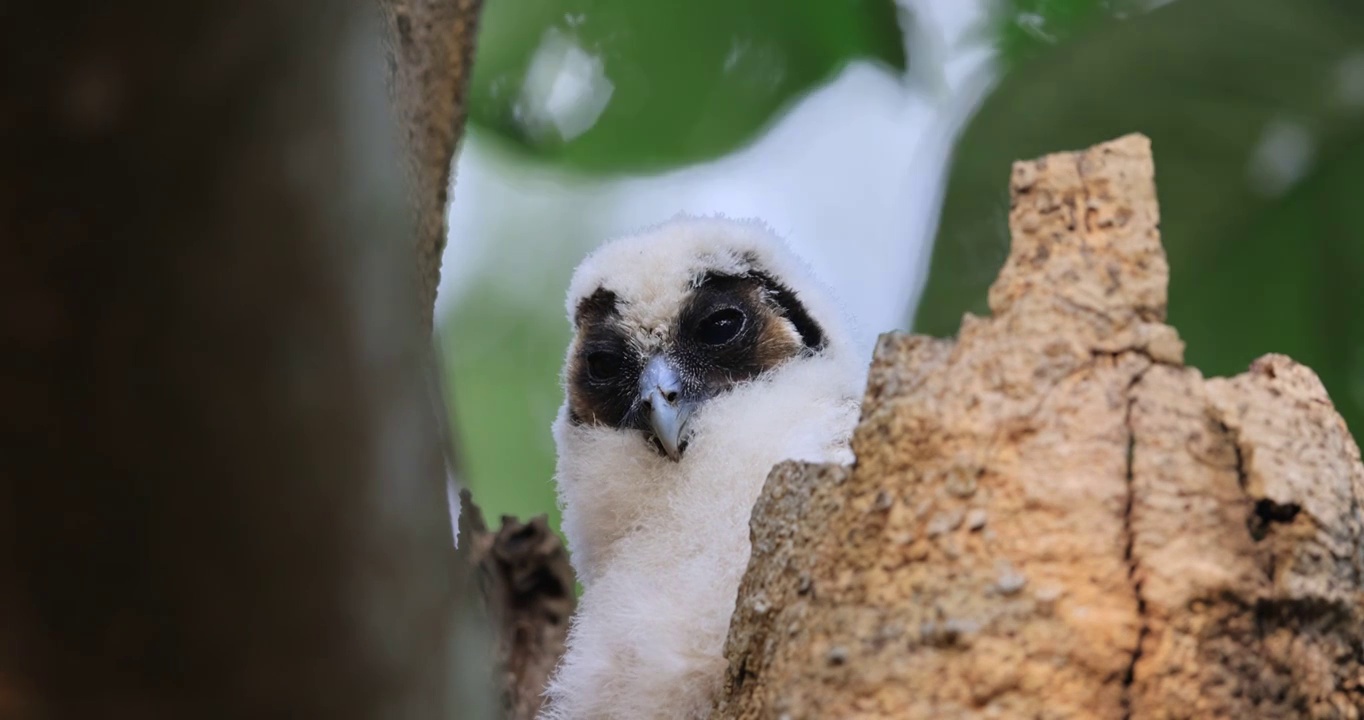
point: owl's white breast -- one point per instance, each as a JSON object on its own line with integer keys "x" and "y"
{"x": 661, "y": 546}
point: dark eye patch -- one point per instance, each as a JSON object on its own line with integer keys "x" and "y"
{"x": 721, "y": 326}
{"x": 603, "y": 376}
{"x": 777, "y": 293}
{"x": 720, "y": 310}
{"x": 605, "y": 365}
{"x": 731, "y": 333}
{"x": 732, "y": 329}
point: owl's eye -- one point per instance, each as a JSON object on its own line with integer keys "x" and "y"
{"x": 602, "y": 365}
{"x": 720, "y": 326}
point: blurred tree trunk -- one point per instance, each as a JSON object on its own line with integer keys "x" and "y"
{"x": 1051, "y": 516}
{"x": 222, "y": 481}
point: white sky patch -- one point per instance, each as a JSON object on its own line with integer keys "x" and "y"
{"x": 1350, "y": 81}
{"x": 1281, "y": 158}
{"x": 565, "y": 91}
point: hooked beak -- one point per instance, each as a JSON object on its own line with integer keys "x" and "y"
{"x": 660, "y": 388}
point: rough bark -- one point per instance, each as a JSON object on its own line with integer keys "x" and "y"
{"x": 1050, "y": 516}
{"x": 522, "y": 569}
{"x": 221, "y": 478}
{"x": 431, "y": 50}
{"x": 527, "y": 583}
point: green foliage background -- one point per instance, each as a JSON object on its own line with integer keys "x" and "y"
{"x": 690, "y": 80}
{"x": 1255, "y": 109}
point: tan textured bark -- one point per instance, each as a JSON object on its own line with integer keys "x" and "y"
{"x": 431, "y": 52}
{"x": 1051, "y": 517}
{"x": 523, "y": 570}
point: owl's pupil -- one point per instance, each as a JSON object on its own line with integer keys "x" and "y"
{"x": 720, "y": 326}
{"x": 604, "y": 365}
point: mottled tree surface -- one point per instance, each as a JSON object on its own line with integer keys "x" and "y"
{"x": 1051, "y": 517}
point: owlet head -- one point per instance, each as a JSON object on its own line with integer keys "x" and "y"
{"x": 669, "y": 319}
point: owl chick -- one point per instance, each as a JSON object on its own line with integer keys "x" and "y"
{"x": 703, "y": 353}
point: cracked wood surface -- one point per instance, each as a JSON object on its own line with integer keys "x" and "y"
{"x": 1050, "y": 516}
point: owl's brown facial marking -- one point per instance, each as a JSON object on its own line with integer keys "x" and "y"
{"x": 603, "y": 374}
{"x": 731, "y": 329}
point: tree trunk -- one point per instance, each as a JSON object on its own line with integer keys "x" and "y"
{"x": 222, "y": 476}
{"x": 523, "y": 572}
{"x": 1050, "y": 516}
{"x": 431, "y": 52}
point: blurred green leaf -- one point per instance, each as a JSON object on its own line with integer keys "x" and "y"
{"x": 630, "y": 85}
{"x": 1027, "y": 28}
{"x": 1255, "y": 109}
{"x": 502, "y": 368}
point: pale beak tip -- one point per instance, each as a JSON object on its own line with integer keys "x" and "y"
{"x": 669, "y": 424}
